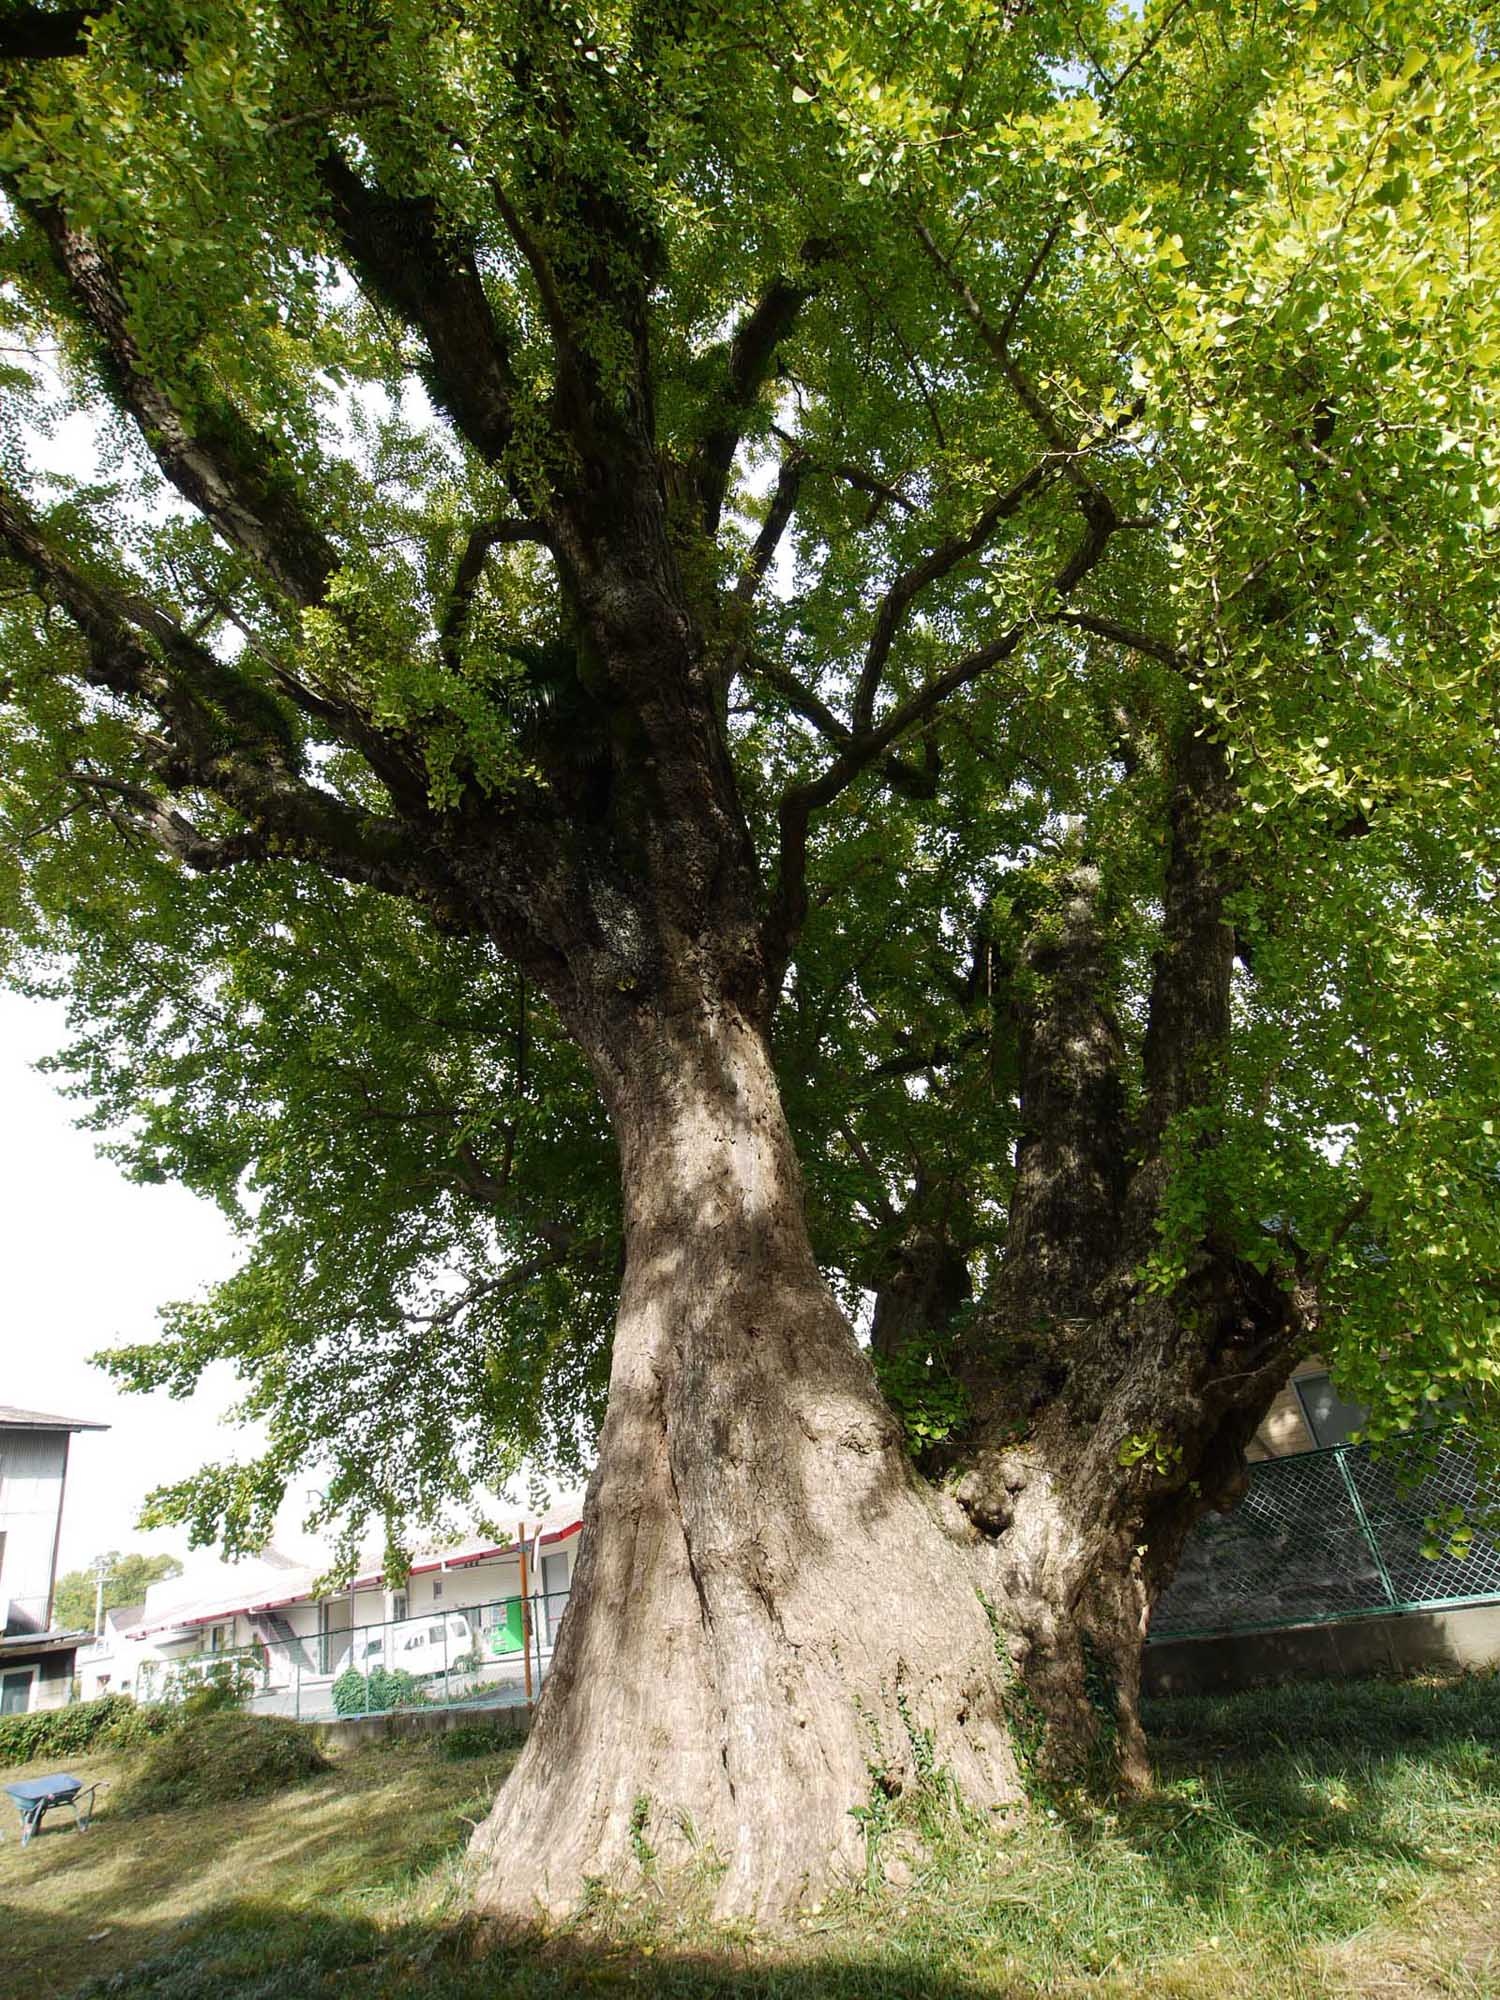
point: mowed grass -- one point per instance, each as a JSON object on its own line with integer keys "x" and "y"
{"x": 1311, "y": 1841}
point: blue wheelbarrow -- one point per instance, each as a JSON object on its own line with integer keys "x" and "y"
{"x": 35, "y": 1797}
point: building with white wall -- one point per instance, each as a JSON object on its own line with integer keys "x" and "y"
{"x": 36, "y": 1658}
{"x": 480, "y": 1613}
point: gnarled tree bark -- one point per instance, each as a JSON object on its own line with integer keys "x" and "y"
{"x": 772, "y": 1612}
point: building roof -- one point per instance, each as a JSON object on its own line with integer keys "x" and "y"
{"x": 263, "y": 1586}
{"x": 12, "y": 1419}
{"x": 27, "y": 1644}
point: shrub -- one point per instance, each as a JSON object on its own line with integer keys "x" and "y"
{"x": 142, "y": 1722}
{"x": 208, "y": 1759}
{"x": 385, "y": 1687}
{"x": 350, "y": 1694}
{"x": 226, "y": 1684}
{"x": 65, "y": 1732}
{"x": 204, "y": 1681}
{"x": 480, "y": 1739}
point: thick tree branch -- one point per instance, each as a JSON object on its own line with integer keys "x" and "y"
{"x": 433, "y": 284}
{"x": 217, "y": 463}
{"x": 223, "y": 735}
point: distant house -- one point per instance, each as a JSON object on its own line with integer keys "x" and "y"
{"x": 36, "y": 1658}
{"x": 460, "y": 1618}
{"x": 1308, "y": 1414}
{"x": 1332, "y": 1529}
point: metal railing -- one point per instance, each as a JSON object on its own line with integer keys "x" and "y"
{"x": 491, "y": 1655}
{"x": 1347, "y": 1532}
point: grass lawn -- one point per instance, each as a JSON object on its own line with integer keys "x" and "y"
{"x": 1307, "y": 1842}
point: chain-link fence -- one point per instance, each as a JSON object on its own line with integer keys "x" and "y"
{"x": 1341, "y": 1533}
{"x": 492, "y": 1655}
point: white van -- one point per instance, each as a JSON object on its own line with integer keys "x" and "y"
{"x": 417, "y": 1646}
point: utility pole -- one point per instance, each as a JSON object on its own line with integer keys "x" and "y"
{"x": 102, "y": 1574}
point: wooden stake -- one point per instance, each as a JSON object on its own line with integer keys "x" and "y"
{"x": 525, "y": 1609}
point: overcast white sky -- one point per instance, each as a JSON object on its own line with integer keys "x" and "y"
{"x": 87, "y": 1259}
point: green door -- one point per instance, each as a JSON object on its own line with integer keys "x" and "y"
{"x": 508, "y": 1635}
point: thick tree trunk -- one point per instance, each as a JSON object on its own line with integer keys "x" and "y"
{"x": 771, "y": 1614}
{"x": 1117, "y": 1442}
{"x": 1107, "y": 1417}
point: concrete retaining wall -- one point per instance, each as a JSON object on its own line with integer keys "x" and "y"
{"x": 406, "y": 1723}
{"x": 1401, "y": 1642}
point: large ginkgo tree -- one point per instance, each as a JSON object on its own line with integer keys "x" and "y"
{"x": 654, "y": 577}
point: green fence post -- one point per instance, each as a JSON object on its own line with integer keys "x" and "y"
{"x": 1364, "y": 1521}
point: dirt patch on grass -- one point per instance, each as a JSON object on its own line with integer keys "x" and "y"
{"x": 1447, "y": 1949}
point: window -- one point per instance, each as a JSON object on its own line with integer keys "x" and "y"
{"x": 398, "y": 1607}
{"x": 555, "y": 1598}
{"x": 216, "y": 1638}
{"x": 437, "y": 1588}
{"x": 333, "y": 1632}
{"x": 1330, "y": 1419}
{"x": 15, "y": 1690}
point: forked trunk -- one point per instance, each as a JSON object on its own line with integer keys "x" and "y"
{"x": 772, "y": 1615}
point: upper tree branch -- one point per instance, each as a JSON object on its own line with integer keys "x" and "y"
{"x": 879, "y": 490}
{"x": 800, "y": 699}
{"x": 483, "y": 536}
{"x": 997, "y": 339}
{"x": 135, "y": 810}
{"x": 909, "y": 586}
{"x": 432, "y": 283}
{"x": 748, "y": 360}
{"x": 223, "y": 735}
{"x": 1124, "y": 635}
{"x": 862, "y": 748}
{"x": 217, "y": 462}
{"x": 778, "y": 519}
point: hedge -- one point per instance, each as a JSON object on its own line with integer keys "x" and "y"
{"x": 387, "y": 1687}
{"x": 63, "y": 1732}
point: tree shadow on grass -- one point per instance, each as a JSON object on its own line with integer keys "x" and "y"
{"x": 1286, "y": 1824}
{"x": 252, "y": 1951}
{"x": 1309, "y": 1800}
